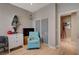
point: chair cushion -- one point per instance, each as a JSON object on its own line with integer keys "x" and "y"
{"x": 33, "y": 34}
{"x": 33, "y": 40}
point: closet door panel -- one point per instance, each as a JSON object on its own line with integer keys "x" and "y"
{"x": 44, "y": 30}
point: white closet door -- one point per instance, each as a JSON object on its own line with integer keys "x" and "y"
{"x": 41, "y": 26}
{"x": 44, "y": 30}
{"x": 37, "y": 26}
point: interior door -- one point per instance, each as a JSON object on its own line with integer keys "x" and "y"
{"x": 37, "y": 26}
{"x": 44, "y": 30}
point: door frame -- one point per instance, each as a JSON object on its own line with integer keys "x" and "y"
{"x": 59, "y": 22}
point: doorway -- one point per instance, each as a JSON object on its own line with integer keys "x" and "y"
{"x": 68, "y": 33}
{"x": 65, "y": 27}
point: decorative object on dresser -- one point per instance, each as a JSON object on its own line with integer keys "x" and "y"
{"x": 15, "y": 40}
{"x": 26, "y": 33}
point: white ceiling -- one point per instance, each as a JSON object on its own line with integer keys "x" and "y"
{"x": 32, "y": 7}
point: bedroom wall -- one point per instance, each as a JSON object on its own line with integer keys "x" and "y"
{"x": 7, "y": 11}
{"x": 52, "y": 14}
{"x": 44, "y": 13}
{"x": 69, "y": 7}
{"x": 64, "y": 7}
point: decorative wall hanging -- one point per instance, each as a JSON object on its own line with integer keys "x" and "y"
{"x": 15, "y": 23}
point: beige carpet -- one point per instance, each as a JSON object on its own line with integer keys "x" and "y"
{"x": 44, "y": 50}
{"x": 67, "y": 48}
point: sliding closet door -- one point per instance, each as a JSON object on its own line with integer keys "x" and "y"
{"x": 44, "y": 30}
{"x": 37, "y": 26}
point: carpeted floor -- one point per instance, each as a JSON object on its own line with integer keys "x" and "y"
{"x": 44, "y": 50}
{"x": 67, "y": 48}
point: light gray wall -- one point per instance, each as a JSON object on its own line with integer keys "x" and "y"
{"x": 63, "y": 7}
{"x": 48, "y": 12}
{"x": 7, "y": 12}
{"x": 68, "y": 7}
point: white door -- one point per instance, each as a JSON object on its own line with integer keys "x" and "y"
{"x": 44, "y": 30}
{"x": 41, "y": 26}
{"x": 38, "y": 28}
{"x": 37, "y": 25}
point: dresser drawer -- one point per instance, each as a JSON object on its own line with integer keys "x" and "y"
{"x": 11, "y": 43}
{"x": 15, "y": 40}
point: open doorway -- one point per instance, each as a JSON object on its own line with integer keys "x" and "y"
{"x": 68, "y": 32}
{"x": 65, "y": 27}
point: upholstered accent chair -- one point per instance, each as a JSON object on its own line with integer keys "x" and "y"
{"x": 3, "y": 42}
{"x": 33, "y": 40}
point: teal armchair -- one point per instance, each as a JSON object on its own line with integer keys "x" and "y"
{"x": 33, "y": 40}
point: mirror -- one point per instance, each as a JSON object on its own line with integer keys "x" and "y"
{"x": 15, "y": 23}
